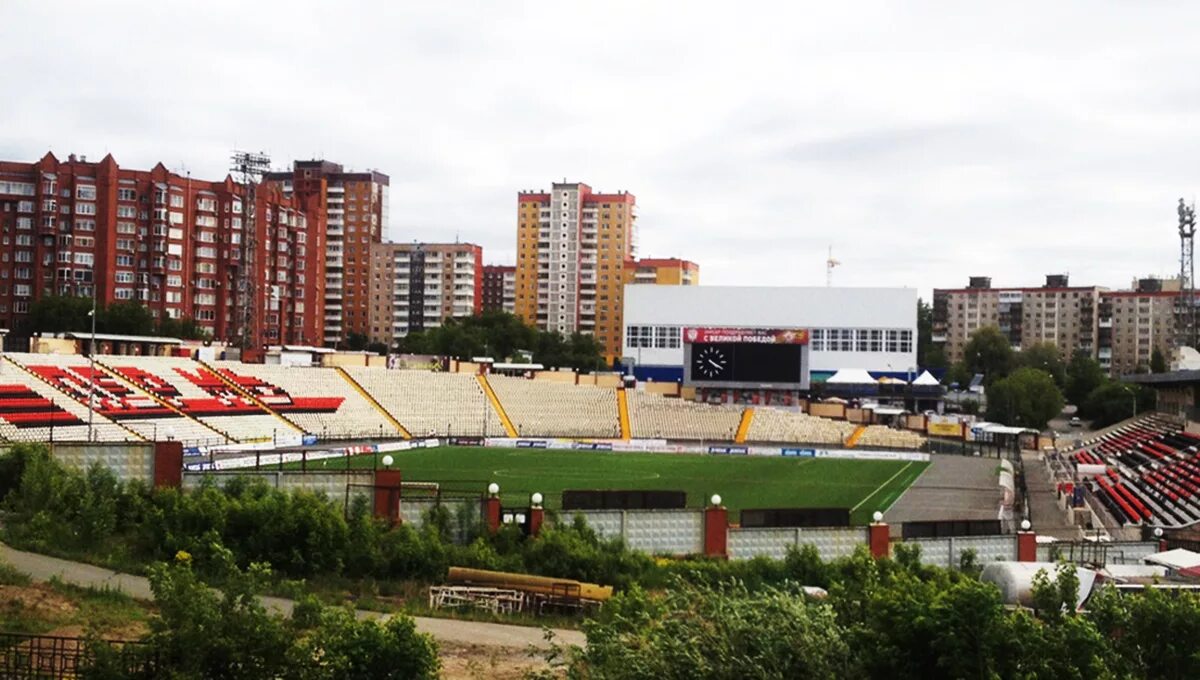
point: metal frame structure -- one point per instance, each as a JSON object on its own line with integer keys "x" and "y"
{"x": 249, "y": 167}
{"x": 1185, "y": 308}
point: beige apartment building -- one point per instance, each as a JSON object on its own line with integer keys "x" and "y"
{"x": 1121, "y": 329}
{"x": 1056, "y": 312}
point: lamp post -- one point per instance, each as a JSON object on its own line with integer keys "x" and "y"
{"x": 1132, "y": 397}
{"x": 92, "y": 364}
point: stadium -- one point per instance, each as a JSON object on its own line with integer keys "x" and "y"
{"x": 737, "y": 403}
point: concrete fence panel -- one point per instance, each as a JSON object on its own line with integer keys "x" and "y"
{"x": 128, "y": 461}
{"x": 665, "y": 532}
{"x": 831, "y": 542}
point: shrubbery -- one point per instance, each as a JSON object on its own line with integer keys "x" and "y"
{"x": 199, "y": 633}
{"x": 55, "y": 509}
{"x": 891, "y": 619}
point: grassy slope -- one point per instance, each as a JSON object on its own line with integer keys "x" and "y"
{"x": 742, "y": 481}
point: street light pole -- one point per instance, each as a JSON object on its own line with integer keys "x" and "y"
{"x": 92, "y": 364}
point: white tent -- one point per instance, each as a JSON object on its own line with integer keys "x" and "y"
{"x": 851, "y": 376}
{"x": 926, "y": 379}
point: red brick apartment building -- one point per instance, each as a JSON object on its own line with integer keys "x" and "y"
{"x": 356, "y": 214}
{"x": 171, "y": 242}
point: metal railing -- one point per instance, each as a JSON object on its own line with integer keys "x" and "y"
{"x": 51, "y": 657}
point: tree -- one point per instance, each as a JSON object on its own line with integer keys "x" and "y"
{"x": 199, "y": 633}
{"x": 929, "y": 355}
{"x": 59, "y": 314}
{"x": 1044, "y": 356}
{"x": 958, "y": 374}
{"x": 1158, "y": 362}
{"x": 1027, "y": 398}
{"x": 723, "y": 632}
{"x": 1113, "y": 402}
{"x": 357, "y": 342}
{"x": 185, "y": 328}
{"x": 989, "y": 352}
{"x": 125, "y": 318}
{"x": 1084, "y": 375}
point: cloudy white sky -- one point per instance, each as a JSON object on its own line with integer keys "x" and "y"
{"x": 923, "y": 141}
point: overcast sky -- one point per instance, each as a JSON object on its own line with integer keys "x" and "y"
{"x": 922, "y": 141}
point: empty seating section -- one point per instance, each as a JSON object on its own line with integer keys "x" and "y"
{"x": 195, "y": 391}
{"x": 318, "y": 400}
{"x": 777, "y": 425}
{"x": 1151, "y": 475}
{"x": 547, "y": 409}
{"x": 880, "y": 436}
{"x": 657, "y": 417}
{"x": 137, "y": 411}
{"x": 445, "y": 404}
{"x": 32, "y": 411}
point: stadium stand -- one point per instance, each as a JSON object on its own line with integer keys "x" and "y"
{"x": 136, "y": 410}
{"x": 547, "y": 409}
{"x": 654, "y": 416}
{"x": 318, "y": 400}
{"x": 777, "y": 425}
{"x": 33, "y": 411}
{"x": 197, "y": 392}
{"x": 1151, "y": 475}
{"x": 886, "y": 437}
{"x": 425, "y": 402}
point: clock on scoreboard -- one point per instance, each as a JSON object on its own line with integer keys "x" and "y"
{"x": 746, "y": 357}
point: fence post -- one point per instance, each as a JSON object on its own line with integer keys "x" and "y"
{"x": 491, "y": 508}
{"x": 168, "y": 464}
{"x": 387, "y": 495}
{"x": 1026, "y": 543}
{"x": 879, "y": 540}
{"x": 537, "y": 514}
{"x": 716, "y": 529}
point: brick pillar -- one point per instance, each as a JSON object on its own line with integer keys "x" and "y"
{"x": 879, "y": 539}
{"x": 1027, "y": 546}
{"x": 537, "y": 515}
{"x": 168, "y": 464}
{"x": 491, "y": 513}
{"x": 716, "y": 531}
{"x": 387, "y": 495}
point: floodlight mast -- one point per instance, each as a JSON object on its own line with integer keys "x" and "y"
{"x": 1185, "y": 308}
{"x": 249, "y": 167}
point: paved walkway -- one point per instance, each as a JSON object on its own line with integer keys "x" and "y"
{"x": 952, "y": 487}
{"x": 43, "y": 568}
{"x": 1047, "y": 518}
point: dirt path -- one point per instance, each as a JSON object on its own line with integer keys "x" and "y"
{"x": 450, "y": 634}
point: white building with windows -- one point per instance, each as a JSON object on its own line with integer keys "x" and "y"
{"x": 874, "y": 329}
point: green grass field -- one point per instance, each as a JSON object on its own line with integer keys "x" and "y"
{"x": 743, "y": 481}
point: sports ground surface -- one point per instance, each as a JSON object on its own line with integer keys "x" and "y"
{"x": 742, "y": 481}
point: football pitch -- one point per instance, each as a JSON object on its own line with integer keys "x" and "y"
{"x": 742, "y": 481}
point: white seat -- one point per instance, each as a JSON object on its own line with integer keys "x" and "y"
{"x": 427, "y": 402}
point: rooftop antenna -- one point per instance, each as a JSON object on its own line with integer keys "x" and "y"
{"x": 830, "y": 263}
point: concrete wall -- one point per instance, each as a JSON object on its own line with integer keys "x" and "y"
{"x": 947, "y": 552}
{"x": 52, "y": 346}
{"x": 830, "y": 543}
{"x": 127, "y": 460}
{"x": 565, "y": 377}
{"x": 658, "y": 532}
{"x": 339, "y": 486}
{"x": 669, "y": 389}
{"x": 837, "y": 411}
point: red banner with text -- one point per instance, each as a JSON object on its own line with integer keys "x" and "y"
{"x": 763, "y": 336}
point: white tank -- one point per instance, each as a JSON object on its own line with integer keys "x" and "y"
{"x": 1015, "y": 580}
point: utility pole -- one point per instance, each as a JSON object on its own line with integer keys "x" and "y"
{"x": 249, "y": 167}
